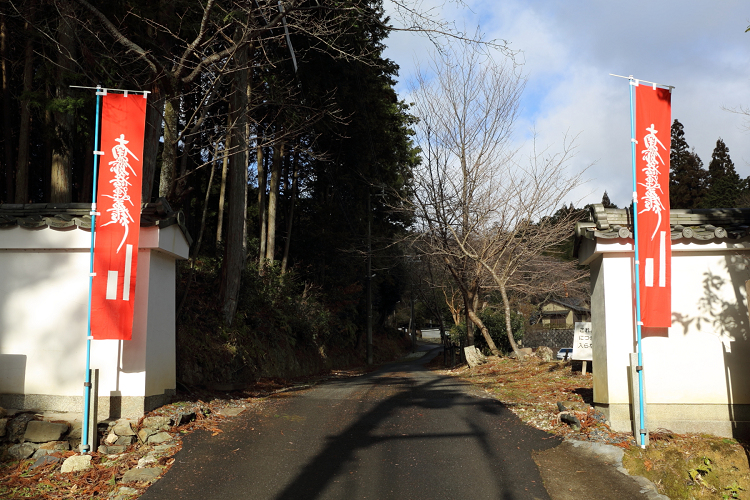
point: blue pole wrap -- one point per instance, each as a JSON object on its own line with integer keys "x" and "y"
{"x": 85, "y": 445}
{"x": 642, "y": 406}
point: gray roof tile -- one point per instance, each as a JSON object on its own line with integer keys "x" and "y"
{"x": 64, "y": 215}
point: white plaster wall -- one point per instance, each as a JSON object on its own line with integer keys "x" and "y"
{"x": 43, "y": 304}
{"x": 599, "y": 331}
{"x": 702, "y": 358}
{"x": 43, "y": 315}
{"x": 710, "y": 318}
{"x": 616, "y": 269}
{"x": 161, "y": 363}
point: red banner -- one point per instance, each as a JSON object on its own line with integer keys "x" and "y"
{"x": 653, "y": 120}
{"x": 118, "y": 203}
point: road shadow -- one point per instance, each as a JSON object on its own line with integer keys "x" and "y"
{"x": 416, "y": 390}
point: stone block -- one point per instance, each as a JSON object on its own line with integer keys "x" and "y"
{"x": 55, "y": 446}
{"x": 545, "y": 353}
{"x": 44, "y": 460}
{"x": 125, "y": 493}
{"x": 50, "y": 448}
{"x": 17, "y": 427}
{"x": 43, "y": 432}
{"x": 124, "y": 441}
{"x": 525, "y": 351}
{"x": 141, "y": 475}
{"x": 145, "y": 433}
{"x": 123, "y": 427}
{"x": 76, "y": 463}
{"x": 159, "y": 438}
{"x": 74, "y": 436}
{"x": 572, "y": 405}
{"x": 76, "y": 430}
{"x": 571, "y": 420}
{"x": 3, "y": 426}
{"x": 149, "y": 459}
{"x": 39, "y": 453}
{"x": 473, "y": 356}
{"x": 158, "y": 423}
{"x": 112, "y": 450}
{"x": 21, "y": 451}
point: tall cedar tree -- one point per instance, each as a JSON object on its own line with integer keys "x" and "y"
{"x": 606, "y": 201}
{"x": 724, "y": 184}
{"x": 687, "y": 182}
{"x": 369, "y": 155}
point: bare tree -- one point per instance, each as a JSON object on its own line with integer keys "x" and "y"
{"x": 482, "y": 212}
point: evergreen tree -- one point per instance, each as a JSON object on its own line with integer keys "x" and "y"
{"x": 606, "y": 202}
{"x": 687, "y": 183}
{"x": 724, "y": 184}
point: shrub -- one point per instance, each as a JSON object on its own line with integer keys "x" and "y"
{"x": 494, "y": 320}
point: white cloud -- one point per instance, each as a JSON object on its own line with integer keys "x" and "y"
{"x": 569, "y": 48}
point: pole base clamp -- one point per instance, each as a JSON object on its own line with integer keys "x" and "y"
{"x": 639, "y": 368}
{"x": 88, "y": 384}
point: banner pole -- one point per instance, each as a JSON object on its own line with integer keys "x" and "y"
{"x": 638, "y": 323}
{"x": 85, "y": 446}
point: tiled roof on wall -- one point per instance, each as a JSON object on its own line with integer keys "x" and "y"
{"x": 64, "y": 215}
{"x": 696, "y": 224}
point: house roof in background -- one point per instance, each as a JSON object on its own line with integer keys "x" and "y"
{"x": 65, "y": 215}
{"x": 573, "y": 303}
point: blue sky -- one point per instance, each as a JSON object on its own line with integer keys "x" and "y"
{"x": 569, "y": 49}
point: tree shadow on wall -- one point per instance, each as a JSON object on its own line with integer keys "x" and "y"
{"x": 722, "y": 311}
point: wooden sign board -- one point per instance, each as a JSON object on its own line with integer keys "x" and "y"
{"x": 582, "y": 342}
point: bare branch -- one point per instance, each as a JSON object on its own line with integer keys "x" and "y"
{"x": 122, "y": 39}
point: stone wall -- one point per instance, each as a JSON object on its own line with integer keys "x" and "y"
{"x": 554, "y": 339}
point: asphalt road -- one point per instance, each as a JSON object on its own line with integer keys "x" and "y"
{"x": 399, "y": 433}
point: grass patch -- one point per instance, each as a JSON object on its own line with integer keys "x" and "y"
{"x": 692, "y": 466}
{"x": 531, "y": 388}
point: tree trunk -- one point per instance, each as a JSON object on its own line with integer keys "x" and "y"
{"x": 235, "y": 251}
{"x": 61, "y": 172}
{"x": 223, "y": 189}
{"x": 262, "y": 197}
{"x": 506, "y": 305}
{"x": 485, "y": 332}
{"x": 273, "y": 200}
{"x": 22, "y": 167}
{"x": 468, "y": 296}
{"x": 290, "y": 215}
{"x": 471, "y": 297}
{"x": 169, "y": 154}
{"x": 43, "y": 169}
{"x": 197, "y": 247}
{"x": 205, "y": 204}
{"x": 469, "y": 326}
{"x": 7, "y": 124}
{"x": 154, "y": 117}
